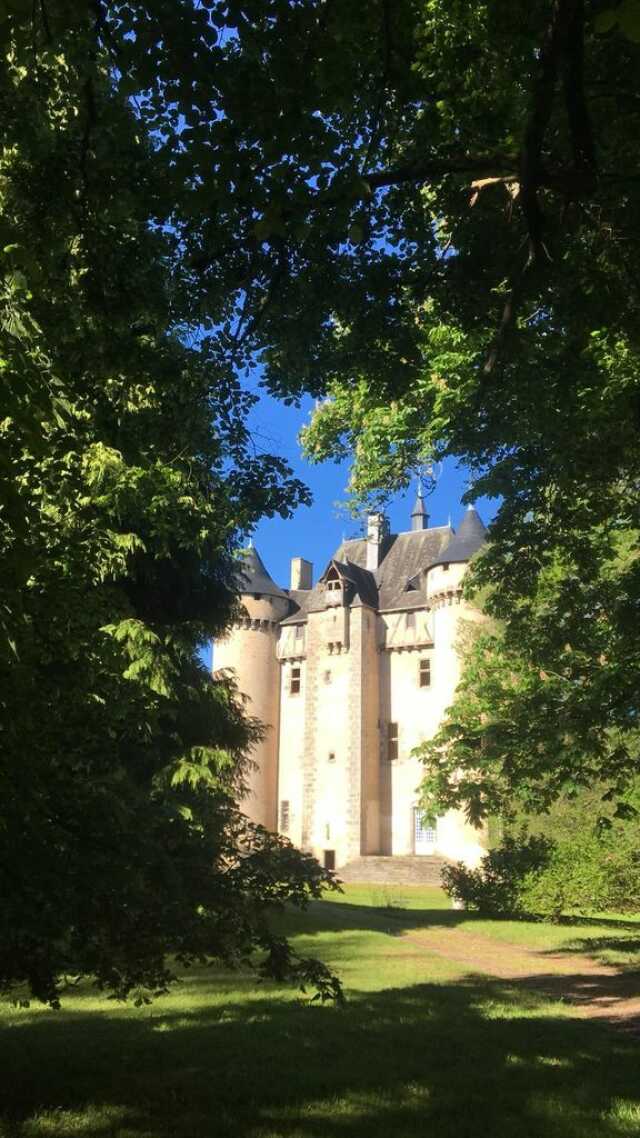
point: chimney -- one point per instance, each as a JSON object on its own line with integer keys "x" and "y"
{"x": 377, "y": 530}
{"x": 301, "y": 573}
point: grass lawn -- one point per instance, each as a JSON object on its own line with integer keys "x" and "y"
{"x": 423, "y": 1046}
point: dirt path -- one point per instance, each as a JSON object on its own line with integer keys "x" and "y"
{"x": 596, "y": 990}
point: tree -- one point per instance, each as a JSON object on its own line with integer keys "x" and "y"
{"x": 428, "y": 214}
{"x": 424, "y": 212}
{"x": 127, "y": 478}
{"x": 547, "y": 703}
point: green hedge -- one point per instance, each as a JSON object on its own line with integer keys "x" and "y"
{"x": 534, "y": 874}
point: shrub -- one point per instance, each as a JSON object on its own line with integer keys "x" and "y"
{"x": 530, "y": 873}
{"x": 496, "y": 885}
{"x": 585, "y": 874}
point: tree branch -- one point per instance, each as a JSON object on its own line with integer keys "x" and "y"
{"x": 376, "y": 127}
{"x": 425, "y": 170}
{"x": 563, "y": 46}
{"x": 584, "y": 155}
{"x": 538, "y": 121}
{"x": 45, "y": 21}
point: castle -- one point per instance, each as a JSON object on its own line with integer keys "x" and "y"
{"x": 349, "y": 675}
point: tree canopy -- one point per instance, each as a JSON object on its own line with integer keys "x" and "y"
{"x": 431, "y": 212}
{"x": 127, "y": 479}
{"x": 424, "y": 213}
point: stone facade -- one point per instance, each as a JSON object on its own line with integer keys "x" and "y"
{"x": 349, "y": 676}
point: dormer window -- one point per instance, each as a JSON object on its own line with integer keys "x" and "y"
{"x": 333, "y": 586}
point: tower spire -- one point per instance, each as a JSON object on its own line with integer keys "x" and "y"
{"x": 419, "y": 515}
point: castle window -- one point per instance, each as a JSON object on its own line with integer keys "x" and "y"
{"x": 410, "y": 620}
{"x": 285, "y": 816}
{"x": 331, "y": 758}
{"x": 392, "y": 741}
{"x": 424, "y": 674}
{"x": 294, "y": 681}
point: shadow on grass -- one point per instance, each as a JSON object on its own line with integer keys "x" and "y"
{"x": 341, "y": 915}
{"x": 628, "y": 947}
{"x": 459, "y": 1060}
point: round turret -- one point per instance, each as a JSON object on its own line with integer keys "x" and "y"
{"x": 449, "y": 614}
{"x": 249, "y": 651}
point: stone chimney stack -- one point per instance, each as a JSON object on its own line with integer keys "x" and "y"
{"x": 301, "y": 573}
{"x": 377, "y": 530}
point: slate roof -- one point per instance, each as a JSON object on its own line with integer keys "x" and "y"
{"x": 467, "y": 541}
{"x": 252, "y": 576}
{"x": 398, "y": 583}
{"x": 363, "y": 582}
{"x": 409, "y": 555}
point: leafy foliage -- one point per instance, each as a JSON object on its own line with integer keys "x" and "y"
{"x": 576, "y": 857}
{"x": 547, "y": 703}
{"x": 127, "y": 478}
{"x": 432, "y": 219}
{"x": 496, "y": 886}
{"x": 424, "y": 213}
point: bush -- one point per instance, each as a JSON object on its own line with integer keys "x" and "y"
{"x": 585, "y": 874}
{"x": 531, "y": 874}
{"x": 496, "y": 885}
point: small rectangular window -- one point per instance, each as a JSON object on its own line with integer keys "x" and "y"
{"x": 285, "y": 817}
{"x": 327, "y": 833}
{"x": 410, "y": 620}
{"x": 392, "y": 740}
{"x": 294, "y": 681}
{"x": 425, "y": 674}
{"x": 327, "y": 677}
{"x": 299, "y": 631}
{"x": 331, "y": 758}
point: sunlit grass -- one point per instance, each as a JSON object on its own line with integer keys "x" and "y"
{"x": 421, "y": 1047}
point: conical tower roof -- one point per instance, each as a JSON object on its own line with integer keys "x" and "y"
{"x": 467, "y": 541}
{"x": 253, "y": 577}
{"x": 419, "y": 516}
